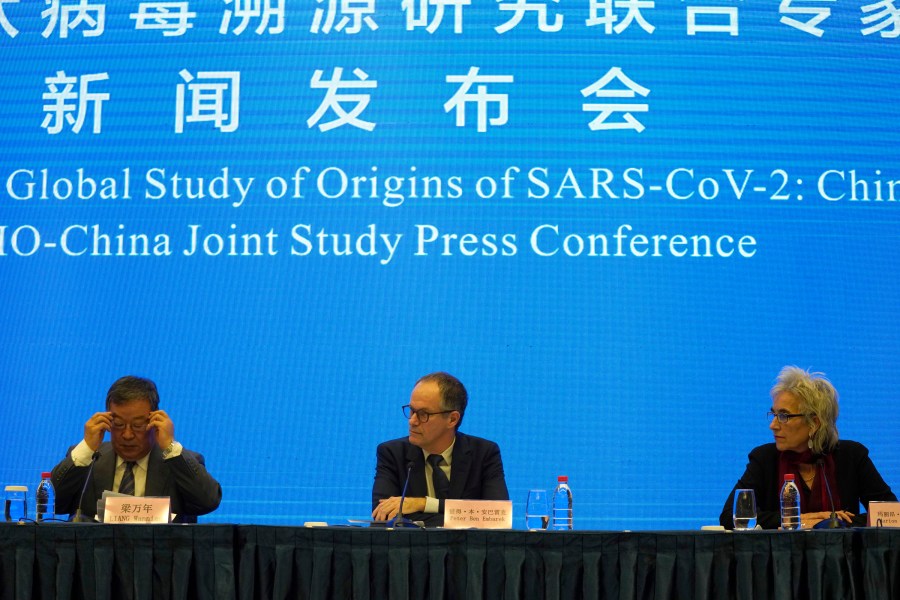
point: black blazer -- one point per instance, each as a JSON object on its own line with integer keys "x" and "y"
{"x": 476, "y": 473}
{"x": 857, "y": 480}
{"x": 184, "y": 479}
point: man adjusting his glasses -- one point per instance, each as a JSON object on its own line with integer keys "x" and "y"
{"x": 442, "y": 462}
{"x": 142, "y": 458}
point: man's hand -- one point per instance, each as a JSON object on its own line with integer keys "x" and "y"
{"x": 389, "y": 507}
{"x": 163, "y": 428}
{"x": 95, "y": 429}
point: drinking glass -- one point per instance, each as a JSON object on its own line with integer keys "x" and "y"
{"x": 15, "y": 507}
{"x": 744, "y": 510}
{"x": 537, "y": 510}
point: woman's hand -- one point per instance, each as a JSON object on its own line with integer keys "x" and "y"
{"x": 809, "y": 520}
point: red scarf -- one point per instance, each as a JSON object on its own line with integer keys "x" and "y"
{"x": 815, "y": 499}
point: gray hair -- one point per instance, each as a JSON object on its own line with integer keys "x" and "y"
{"x": 130, "y": 389}
{"x": 817, "y": 398}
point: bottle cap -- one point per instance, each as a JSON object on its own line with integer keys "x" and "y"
{"x": 788, "y": 476}
{"x": 45, "y": 475}
{"x": 563, "y": 479}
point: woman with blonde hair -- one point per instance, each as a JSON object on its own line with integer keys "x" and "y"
{"x": 803, "y": 421}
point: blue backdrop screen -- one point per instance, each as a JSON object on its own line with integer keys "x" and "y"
{"x": 614, "y": 221}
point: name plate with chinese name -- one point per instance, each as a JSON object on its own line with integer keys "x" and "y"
{"x": 884, "y": 514}
{"x": 135, "y": 509}
{"x": 478, "y": 514}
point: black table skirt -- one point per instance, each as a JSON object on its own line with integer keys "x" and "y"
{"x": 249, "y": 562}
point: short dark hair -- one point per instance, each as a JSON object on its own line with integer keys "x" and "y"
{"x": 130, "y": 389}
{"x": 453, "y": 393}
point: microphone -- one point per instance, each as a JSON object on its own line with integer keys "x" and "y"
{"x": 832, "y": 522}
{"x": 399, "y": 520}
{"x": 79, "y": 517}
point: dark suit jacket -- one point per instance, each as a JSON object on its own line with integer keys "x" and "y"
{"x": 476, "y": 473}
{"x": 184, "y": 479}
{"x": 857, "y": 479}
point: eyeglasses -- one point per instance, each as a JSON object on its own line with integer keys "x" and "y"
{"x": 422, "y": 415}
{"x": 783, "y": 417}
{"x": 138, "y": 427}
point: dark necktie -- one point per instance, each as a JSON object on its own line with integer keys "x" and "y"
{"x": 126, "y": 486}
{"x": 438, "y": 478}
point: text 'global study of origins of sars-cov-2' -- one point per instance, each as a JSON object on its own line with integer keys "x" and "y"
{"x": 157, "y": 185}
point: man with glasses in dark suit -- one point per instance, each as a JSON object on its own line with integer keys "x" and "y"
{"x": 142, "y": 458}
{"x": 442, "y": 462}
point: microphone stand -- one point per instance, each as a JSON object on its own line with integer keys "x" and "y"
{"x": 400, "y": 521}
{"x": 833, "y": 522}
{"x": 79, "y": 516}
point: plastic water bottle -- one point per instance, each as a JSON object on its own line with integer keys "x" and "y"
{"x": 790, "y": 503}
{"x": 45, "y": 499}
{"x": 562, "y": 505}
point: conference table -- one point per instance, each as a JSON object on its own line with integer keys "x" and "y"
{"x": 249, "y": 562}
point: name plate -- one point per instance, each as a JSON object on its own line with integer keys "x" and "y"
{"x": 134, "y": 509}
{"x": 478, "y": 514}
{"x": 884, "y": 514}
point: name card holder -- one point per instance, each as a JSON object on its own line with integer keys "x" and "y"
{"x": 478, "y": 514}
{"x": 884, "y": 514}
{"x": 136, "y": 509}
